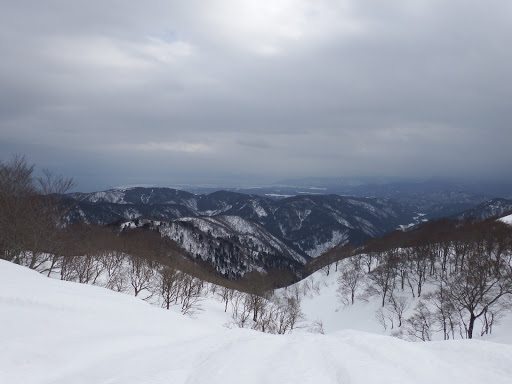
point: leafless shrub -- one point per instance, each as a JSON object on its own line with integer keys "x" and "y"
{"x": 316, "y": 327}
{"x": 140, "y": 274}
{"x": 241, "y": 309}
{"x": 397, "y": 305}
{"x": 190, "y": 294}
{"x": 84, "y": 269}
{"x": 349, "y": 280}
{"x": 420, "y": 325}
{"x": 30, "y": 213}
{"x": 169, "y": 286}
{"x": 112, "y": 265}
{"x": 226, "y": 294}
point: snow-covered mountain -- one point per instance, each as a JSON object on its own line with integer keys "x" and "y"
{"x": 311, "y": 223}
{"x": 62, "y": 332}
{"x": 232, "y": 244}
{"x": 315, "y": 223}
{"x": 490, "y": 208}
{"x": 138, "y": 195}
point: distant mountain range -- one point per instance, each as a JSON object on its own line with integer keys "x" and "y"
{"x": 364, "y": 187}
{"x": 307, "y": 222}
{"x": 254, "y": 231}
{"x": 434, "y": 198}
{"x": 493, "y": 207}
{"x": 238, "y": 232}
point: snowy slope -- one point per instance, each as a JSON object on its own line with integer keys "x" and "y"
{"x": 507, "y": 219}
{"x": 322, "y": 302}
{"x": 61, "y": 332}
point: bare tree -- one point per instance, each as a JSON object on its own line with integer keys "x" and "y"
{"x": 82, "y": 269}
{"x": 383, "y": 315}
{"x": 112, "y": 264}
{"x": 382, "y": 280}
{"x": 477, "y": 289}
{"x": 190, "y": 294}
{"x": 326, "y": 269}
{"x": 397, "y": 305}
{"x": 294, "y": 312}
{"x": 257, "y": 304}
{"x": 241, "y": 309}
{"x": 169, "y": 280}
{"x": 419, "y": 325}
{"x": 368, "y": 259}
{"x": 351, "y": 276}
{"x": 317, "y": 327}
{"x": 17, "y": 194}
{"x": 288, "y": 313}
{"x": 491, "y": 318}
{"x": 445, "y": 312}
{"x": 30, "y": 213}
{"x": 420, "y": 262}
{"x": 226, "y": 295}
{"x": 140, "y": 274}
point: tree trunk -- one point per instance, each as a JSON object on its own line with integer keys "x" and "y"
{"x": 472, "y": 319}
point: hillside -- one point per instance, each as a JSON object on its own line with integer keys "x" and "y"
{"x": 323, "y": 302}
{"x": 296, "y": 228}
{"x": 237, "y": 233}
{"x": 493, "y": 207}
{"x": 62, "y": 332}
{"x": 231, "y": 244}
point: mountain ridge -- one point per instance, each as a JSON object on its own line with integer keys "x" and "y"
{"x": 301, "y": 227}
{"x": 306, "y": 225}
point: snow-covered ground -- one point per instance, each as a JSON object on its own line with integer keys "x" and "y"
{"x": 53, "y": 331}
{"x": 507, "y": 219}
{"x": 322, "y": 302}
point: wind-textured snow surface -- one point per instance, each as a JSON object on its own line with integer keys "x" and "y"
{"x": 61, "y": 332}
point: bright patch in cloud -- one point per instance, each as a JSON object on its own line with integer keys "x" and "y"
{"x": 165, "y": 52}
{"x": 175, "y": 147}
{"x": 103, "y": 52}
{"x": 268, "y": 27}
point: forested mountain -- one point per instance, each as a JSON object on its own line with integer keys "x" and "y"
{"x": 231, "y": 244}
{"x": 494, "y": 207}
{"x": 232, "y": 232}
{"x": 293, "y": 229}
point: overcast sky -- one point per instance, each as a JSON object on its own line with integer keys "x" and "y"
{"x": 118, "y": 92}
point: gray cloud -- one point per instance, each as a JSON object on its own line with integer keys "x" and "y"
{"x": 166, "y": 92}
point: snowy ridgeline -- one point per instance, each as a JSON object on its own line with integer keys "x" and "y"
{"x": 61, "y": 332}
